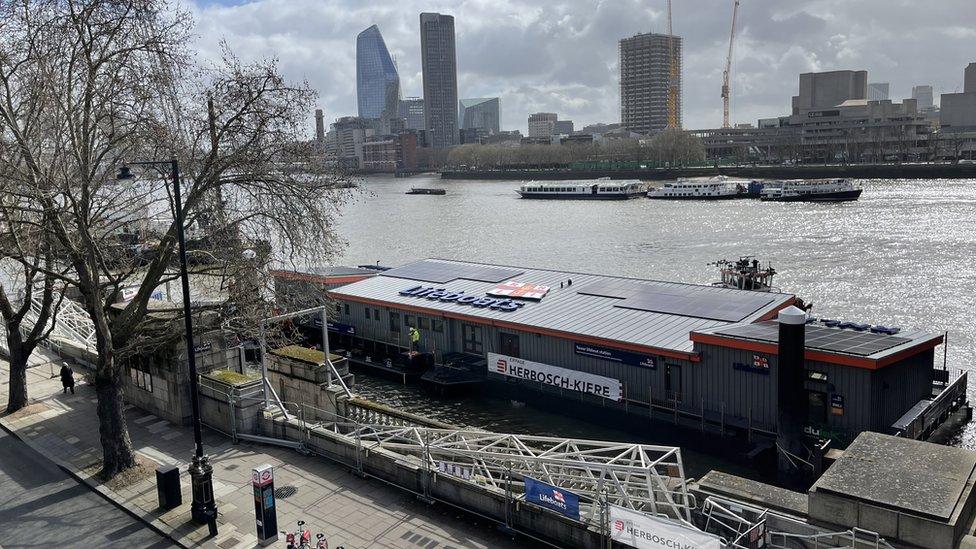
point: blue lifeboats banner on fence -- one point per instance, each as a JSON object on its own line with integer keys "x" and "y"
{"x": 338, "y": 327}
{"x": 551, "y": 497}
{"x": 615, "y": 355}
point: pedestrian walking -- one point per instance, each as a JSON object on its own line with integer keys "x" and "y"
{"x": 67, "y": 379}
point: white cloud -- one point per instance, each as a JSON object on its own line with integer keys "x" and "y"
{"x": 561, "y": 55}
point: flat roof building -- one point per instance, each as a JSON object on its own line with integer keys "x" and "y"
{"x": 482, "y": 113}
{"x": 439, "y": 61}
{"x": 819, "y": 90}
{"x": 923, "y": 94}
{"x": 645, "y": 64}
{"x": 541, "y": 124}
{"x": 878, "y": 91}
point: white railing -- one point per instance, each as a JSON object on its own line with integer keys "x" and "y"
{"x": 68, "y": 323}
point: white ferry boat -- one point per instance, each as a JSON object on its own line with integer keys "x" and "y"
{"x": 592, "y": 189}
{"x": 713, "y": 188}
{"x": 813, "y": 190}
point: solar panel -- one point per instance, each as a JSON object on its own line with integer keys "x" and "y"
{"x": 822, "y": 338}
{"x": 683, "y": 301}
{"x": 439, "y": 272}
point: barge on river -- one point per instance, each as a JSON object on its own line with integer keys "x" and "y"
{"x": 703, "y": 357}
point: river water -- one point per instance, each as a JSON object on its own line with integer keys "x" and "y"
{"x": 903, "y": 255}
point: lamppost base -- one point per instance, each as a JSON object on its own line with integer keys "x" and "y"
{"x": 204, "y": 507}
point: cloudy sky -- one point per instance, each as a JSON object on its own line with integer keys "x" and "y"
{"x": 561, "y": 55}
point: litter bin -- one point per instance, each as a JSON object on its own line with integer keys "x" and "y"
{"x": 168, "y": 486}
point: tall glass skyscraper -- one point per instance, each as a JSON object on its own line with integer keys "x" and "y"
{"x": 377, "y": 80}
{"x": 439, "y": 64}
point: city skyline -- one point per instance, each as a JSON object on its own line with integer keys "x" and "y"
{"x": 563, "y": 58}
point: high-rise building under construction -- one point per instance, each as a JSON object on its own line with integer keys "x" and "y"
{"x": 645, "y": 65}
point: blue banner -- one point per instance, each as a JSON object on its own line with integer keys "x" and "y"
{"x": 550, "y": 497}
{"x": 337, "y": 327}
{"x": 615, "y": 355}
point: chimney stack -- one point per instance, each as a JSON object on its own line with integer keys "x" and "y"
{"x": 791, "y": 396}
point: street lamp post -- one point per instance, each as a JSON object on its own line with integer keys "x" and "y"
{"x": 204, "y": 507}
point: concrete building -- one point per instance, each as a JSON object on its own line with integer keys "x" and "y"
{"x": 958, "y": 110}
{"x": 513, "y": 137}
{"x": 344, "y": 142}
{"x": 390, "y": 153}
{"x": 923, "y": 94}
{"x": 482, "y": 113}
{"x": 412, "y": 111}
{"x": 878, "y": 91}
{"x": 820, "y": 90}
{"x": 645, "y": 62}
{"x": 541, "y": 124}
{"x": 563, "y": 127}
{"x": 377, "y": 80}
{"x": 439, "y": 62}
{"x": 319, "y": 127}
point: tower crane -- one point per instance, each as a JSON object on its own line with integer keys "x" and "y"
{"x": 726, "y": 77}
{"x": 672, "y": 77}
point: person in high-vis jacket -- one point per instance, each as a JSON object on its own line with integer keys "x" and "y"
{"x": 414, "y": 339}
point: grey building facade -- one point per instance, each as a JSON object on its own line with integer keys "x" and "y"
{"x": 819, "y": 90}
{"x": 541, "y": 124}
{"x": 483, "y": 113}
{"x": 439, "y": 61}
{"x": 563, "y": 127}
{"x": 923, "y": 94}
{"x": 412, "y": 111}
{"x": 969, "y": 79}
{"x": 878, "y": 91}
{"x": 645, "y": 64}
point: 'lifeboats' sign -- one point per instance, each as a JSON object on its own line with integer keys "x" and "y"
{"x": 461, "y": 298}
{"x": 554, "y": 375}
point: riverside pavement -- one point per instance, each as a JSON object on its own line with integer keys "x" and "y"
{"x": 350, "y": 511}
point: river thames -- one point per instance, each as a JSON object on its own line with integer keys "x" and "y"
{"x": 903, "y": 255}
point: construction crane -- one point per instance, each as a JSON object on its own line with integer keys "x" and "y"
{"x": 672, "y": 77}
{"x": 726, "y": 76}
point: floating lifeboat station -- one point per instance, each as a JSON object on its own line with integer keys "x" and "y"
{"x": 712, "y": 358}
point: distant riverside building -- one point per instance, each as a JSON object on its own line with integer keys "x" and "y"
{"x": 319, "y": 127}
{"x": 563, "y": 127}
{"x": 483, "y": 113}
{"x": 412, "y": 110}
{"x": 377, "y": 80}
{"x": 506, "y": 137}
{"x": 923, "y": 94}
{"x": 958, "y": 110}
{"x": 390, "y": 153}
{"x": 820, "y": 90}
{"x": 345, "y": 139}
{"x": 541, "y": 124}
{"x": 878, "y": 91}
{"x": 439, "y": 62}
{"x": 645, "y": 64}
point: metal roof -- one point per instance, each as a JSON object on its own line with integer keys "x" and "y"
{"x": 565, "y": 309}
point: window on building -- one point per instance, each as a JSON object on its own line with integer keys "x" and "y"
{"x": 395, "y": 322}
{"x": 347, "y": 308}
{"x": 141, "y": 379}
{"x": 367, "y": 313}
{"x": 410, "y": 320}
{"x": 423, "y": 323}
{"x": 472, "y": 340}
{"x": 437, "y": 326}
{"x": 508, "y": 344}
{"x": 673, "y": 382}
{"x": 376, "y": 314}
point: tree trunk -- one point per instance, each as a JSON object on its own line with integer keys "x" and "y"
{"x": 117, "y": 452}
{"x": 17, "y": 385}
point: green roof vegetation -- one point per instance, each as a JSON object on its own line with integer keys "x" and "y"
{"x": 304, "y": 354}
{"x": 231, "y": 377}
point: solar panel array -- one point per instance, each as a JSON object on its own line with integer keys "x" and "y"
{"x": 441, "y": 273}
{"x": 836, "y": 340}
{"x": 693, "y": 301}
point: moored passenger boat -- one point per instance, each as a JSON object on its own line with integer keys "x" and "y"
{"x": 598, "y": 189}
{"x": 713, "y": 188}
{"x": 816, "y": 190}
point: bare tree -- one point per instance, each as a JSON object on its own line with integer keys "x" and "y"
{"x": 123, "y": 88}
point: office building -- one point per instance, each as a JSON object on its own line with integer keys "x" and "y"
{"x": 344, "y": 142}
{"x": 541, "y": 124}
{"x": 969, "y": 80}
{"x": 439, "y": 63}
{"x": 823, "y": 90}
{"x": 482, "y": 113}
{"x": 923, "y": 94}
{"x": 412, "y": 111}
{"x": 389, "y": 153}
{"x": 958, "y": 110}
{"x": 645, "y": 64}
{"x": 377, "y": 81}
{"x": 563, "y": 127}
{"x": 878, "y": 91}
